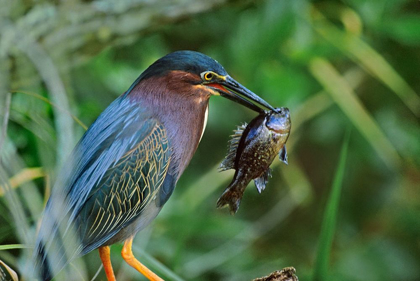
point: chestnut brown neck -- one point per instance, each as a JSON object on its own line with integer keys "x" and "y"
{"x": 180, "y": 103}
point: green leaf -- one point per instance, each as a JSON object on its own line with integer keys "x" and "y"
{"x": 404, "y": 29}
{"x": 343, "y": 94}
{"x": 330, "y": 217}
{"x": 12, "y": 247}
{"x": 369, "y": 59}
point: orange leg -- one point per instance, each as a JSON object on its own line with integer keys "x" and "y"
{"x": 104, "y": 253}
{"x": 128, "y": 256}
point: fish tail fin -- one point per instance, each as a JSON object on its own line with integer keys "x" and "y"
{"x": 231, "y": 197}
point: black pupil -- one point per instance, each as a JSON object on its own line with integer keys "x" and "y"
{"x": 209, "y": 76}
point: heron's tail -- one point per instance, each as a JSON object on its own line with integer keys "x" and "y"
{"x": 50, "y": 255}
{"x": 42, "y": 269}
{"x": 55, "y": 246}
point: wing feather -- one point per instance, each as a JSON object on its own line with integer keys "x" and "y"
{"x": 128, "y": 187}
{"x": 113, "y": 173}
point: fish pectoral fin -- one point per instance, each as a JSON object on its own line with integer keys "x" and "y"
{"x": 283, "y": 155}
{"x": 262, "y": 181}
{"x": 229, "y": 161}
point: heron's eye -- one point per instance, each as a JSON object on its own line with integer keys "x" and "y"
{"x": 208, "y": 76}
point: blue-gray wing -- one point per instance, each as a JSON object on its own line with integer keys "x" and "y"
{"x": 125, "y": 189}
{"x": 112, "y": 174}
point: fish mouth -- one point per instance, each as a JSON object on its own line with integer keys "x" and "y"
{"x": 279, "y": 121}
{"x": 231, "y": 89}
{"x": 282, "y": 111}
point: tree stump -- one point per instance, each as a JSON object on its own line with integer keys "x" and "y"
{"x": 286, "y": 274}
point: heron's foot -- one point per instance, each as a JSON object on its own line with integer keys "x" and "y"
{"x": 129, "y": 258}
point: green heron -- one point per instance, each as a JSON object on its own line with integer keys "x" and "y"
{"x": 128, "y": 162}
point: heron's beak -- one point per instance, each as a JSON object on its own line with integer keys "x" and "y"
{"x": 238, "y": 93}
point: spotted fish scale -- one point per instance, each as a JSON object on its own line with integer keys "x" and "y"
{"x": 252, "y": 149}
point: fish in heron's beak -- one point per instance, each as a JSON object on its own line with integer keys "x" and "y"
{"x": 252, "y": 150}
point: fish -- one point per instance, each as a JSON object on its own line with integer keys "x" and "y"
{"x": 252, "y": 149}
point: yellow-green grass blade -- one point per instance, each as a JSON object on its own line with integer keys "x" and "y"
{"x": 12, "y": 247}
{"x": 369, "y": 59}
{"x": 24, "y": 176}
{"x": 51, "y": 76}
{"x": 58, "y": 108}
{"x": 15, "y": 207}
{"x": 6, "y": 273}
{"x": 342, "y": 93}
{"x": 5, "y": 114}
{"x": 330, "y": 218}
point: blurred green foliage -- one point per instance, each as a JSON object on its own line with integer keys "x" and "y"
{"x": 335, "y": 64}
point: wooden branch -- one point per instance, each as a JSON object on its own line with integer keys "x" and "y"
{"x": 71, "y": 32}
{"x": 286, "y": 274}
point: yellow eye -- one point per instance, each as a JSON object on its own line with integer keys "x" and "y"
{"x": 208, "y": 76}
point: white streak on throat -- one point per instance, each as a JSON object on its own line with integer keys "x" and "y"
{"x": 206, "y": 115}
